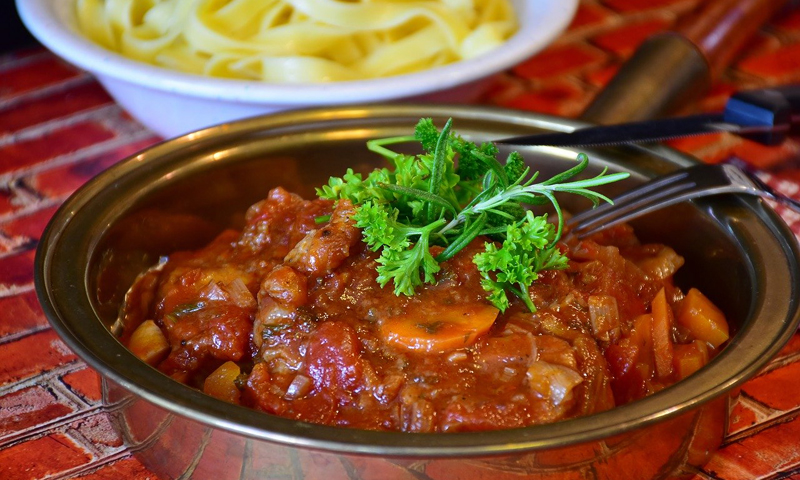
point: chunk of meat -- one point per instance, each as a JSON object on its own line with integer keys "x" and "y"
{"x": 603, "y": 270}
{"x": 276, "y": 224}
{"x": 286, "y": 286}
{"x": 281, "y": 293}
{"x": 333, "y": 360}
{"x": 325, "y": 248}
{"x": 188, "y": 282}
{"x": 595, "y": 390}
{"x": 259, "y": 391}
{"x": 216, "y": 332}
{"x": 511, "y": 350}
{"x": 417, "y": 414}
{"x": 555, "y": 351}
{"x": 663, "y": 264}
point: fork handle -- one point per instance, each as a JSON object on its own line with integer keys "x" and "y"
{"x": 778, "y": 107}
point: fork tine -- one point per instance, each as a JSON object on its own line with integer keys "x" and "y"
{"x": 630, "y": 199}
{"x": 642, "y": 204}
{"x": 692, "y": 182}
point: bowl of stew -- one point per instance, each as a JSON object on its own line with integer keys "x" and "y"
{"x": 316, "y": 385}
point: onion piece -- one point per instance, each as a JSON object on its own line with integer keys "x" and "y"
{"x": 552, "y": 382}
{"x": 604, "y": 317}
{"x": 240, "y": 294}
{"x": 299, "y": 387}
{"x": 214, "y": 292}
{"x": 457, "y": 357}
{"x": 664, "y": 264}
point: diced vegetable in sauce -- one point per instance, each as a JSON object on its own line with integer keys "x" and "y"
{"x": 221, "y": 383}
{"x": 703, "y": 318}
{"x": 148, "y": 343}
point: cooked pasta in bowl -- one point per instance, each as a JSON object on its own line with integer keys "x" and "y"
{"x": 298, "y": 41}
{"x": 181, "y": 65}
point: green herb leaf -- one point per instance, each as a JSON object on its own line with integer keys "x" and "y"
{"x": 426, "y": 133}
{"x": 352, "y": 187}
{"x": 430, "y": 198}
{"x": 186, "y": 308}
{"x": 380, "y": 227}
{"x": 440, "y": 157}
{"x": 463, "y": 240}
{"x": 527, "y": 250}
{"x": 515, "y": 167}
{"x": 408, "y": 268}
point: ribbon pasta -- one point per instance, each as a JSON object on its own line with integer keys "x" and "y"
{"x": 298, "y": 41}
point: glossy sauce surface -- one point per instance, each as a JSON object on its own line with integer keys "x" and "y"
{"x": 286, "y": 317}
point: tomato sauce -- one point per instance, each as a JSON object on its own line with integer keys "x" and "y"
{"x": 286, "y": 317}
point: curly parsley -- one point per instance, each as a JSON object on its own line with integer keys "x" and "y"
{"x": 429, "y": 199}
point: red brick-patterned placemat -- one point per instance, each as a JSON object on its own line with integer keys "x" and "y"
{"x": 58, "y": 128}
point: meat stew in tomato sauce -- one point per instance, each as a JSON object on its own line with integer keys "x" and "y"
{"x": 286, "y": 317}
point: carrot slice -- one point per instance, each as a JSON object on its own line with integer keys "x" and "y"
{"x": 439, "y": 330}
{"x": 703, "y": 318}
{"x": 690, "y": 358}
{"x": 662, "y": 334}
{"x": 642, "y": 334}
{"x": 148, "y": 343}
{"x": 221, "y": 383}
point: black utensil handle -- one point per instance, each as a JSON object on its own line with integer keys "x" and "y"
{"x": 776, "y": 107}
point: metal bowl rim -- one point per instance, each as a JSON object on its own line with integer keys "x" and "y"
{"x": 182, "y": 400}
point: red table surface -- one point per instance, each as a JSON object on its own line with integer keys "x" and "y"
{"x": 58, "y": 128}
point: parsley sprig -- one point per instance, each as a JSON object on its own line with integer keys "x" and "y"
{"x": 429, "y": 199}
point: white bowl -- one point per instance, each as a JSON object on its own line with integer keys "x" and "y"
{"x": 173, "y": 103}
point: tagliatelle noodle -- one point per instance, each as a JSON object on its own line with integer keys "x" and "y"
{"x": 298, "y": 41}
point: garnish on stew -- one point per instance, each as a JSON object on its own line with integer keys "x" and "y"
{"x": 428, "y": 200}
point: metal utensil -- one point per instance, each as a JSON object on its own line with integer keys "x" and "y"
{"x": 684, "y": 184}
{"x": 764, "y": 115}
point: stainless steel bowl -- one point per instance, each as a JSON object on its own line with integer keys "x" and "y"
{"x": 738, "y": 251}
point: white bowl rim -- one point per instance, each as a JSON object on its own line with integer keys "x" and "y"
{"x": 45, "y": 19}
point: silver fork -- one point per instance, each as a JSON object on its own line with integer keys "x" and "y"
{"x": 685, "y": 184}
